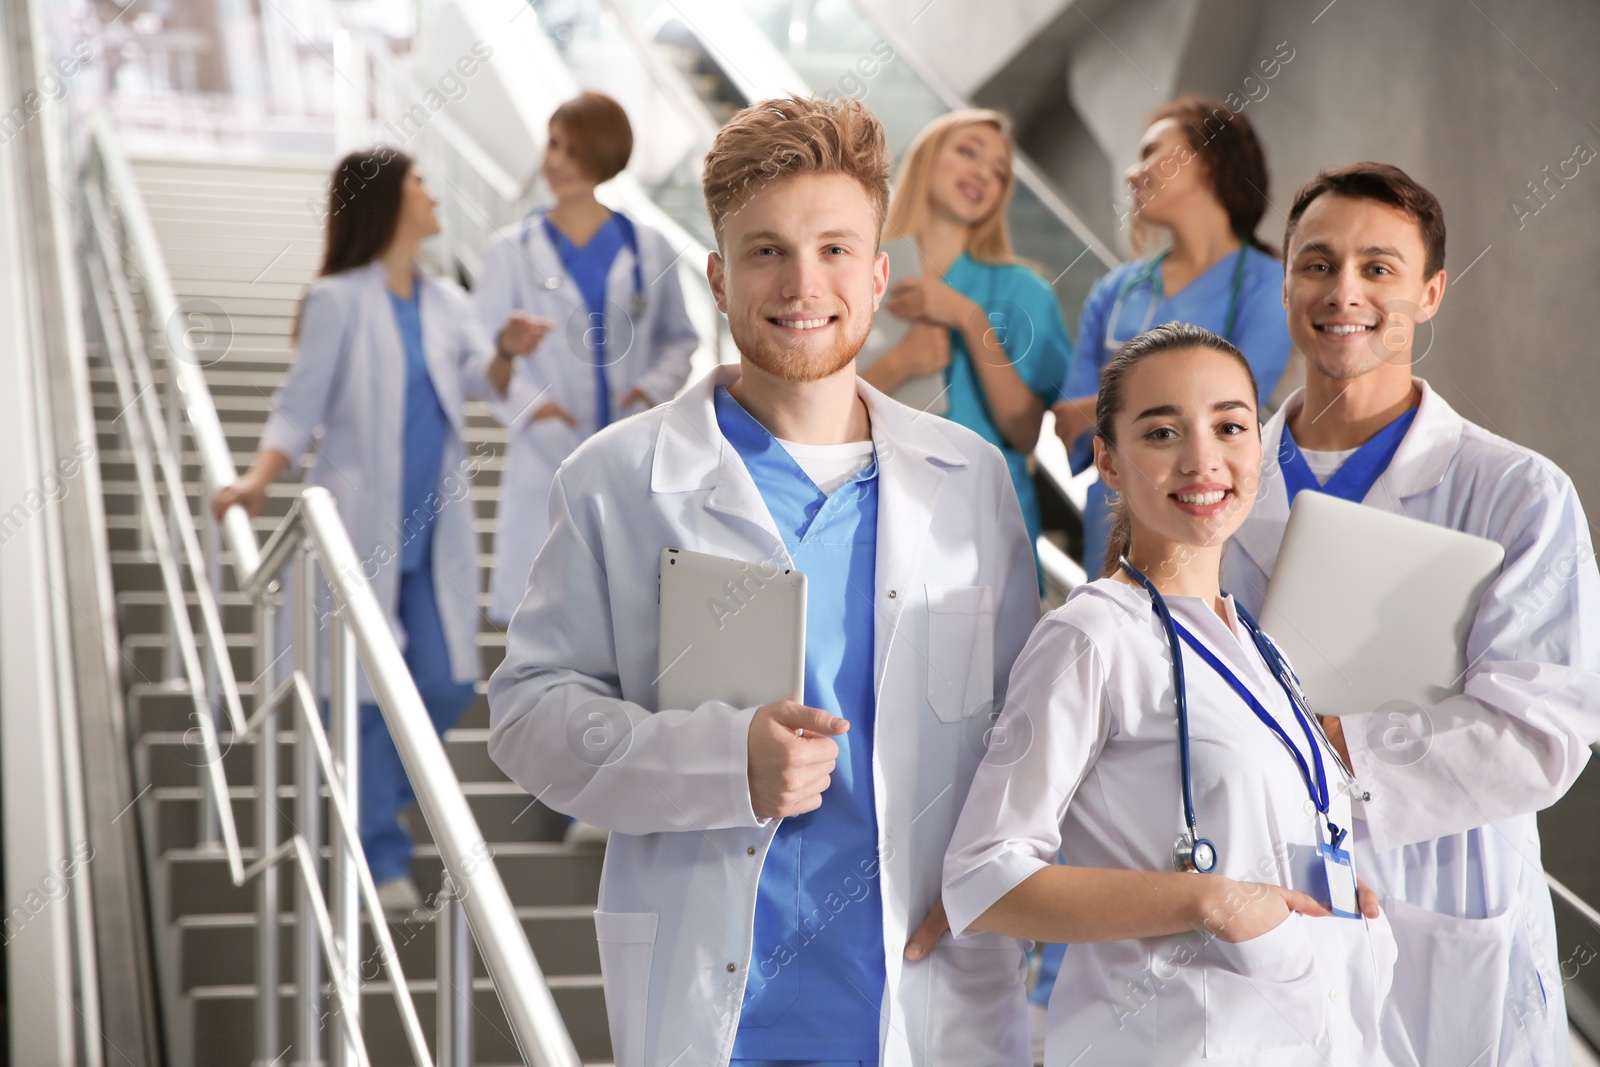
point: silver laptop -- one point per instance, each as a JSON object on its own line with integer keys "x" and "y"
{"x": 730, "y": 631}
{"x": 1373, "y": 609}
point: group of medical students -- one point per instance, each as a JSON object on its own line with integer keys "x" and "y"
{"x": 855, "y": 877}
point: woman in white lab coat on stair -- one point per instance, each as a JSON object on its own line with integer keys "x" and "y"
{"x": 385, "y": 355}
{"x": 613, "y": 340}
{"x": 1222, "y": 944}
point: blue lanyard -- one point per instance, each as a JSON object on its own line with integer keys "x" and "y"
{"x": 1315, "y": 774}
{"x": 1146, "y": 277}
{"x": 1356, "y": 476}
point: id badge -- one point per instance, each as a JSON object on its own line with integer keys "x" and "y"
{"x": 1341, "y": 877}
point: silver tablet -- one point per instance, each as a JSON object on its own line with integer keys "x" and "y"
{"x": 925, "y": 392}
{"x": 1373, "y": 609}
{"x": 730, "y": 630}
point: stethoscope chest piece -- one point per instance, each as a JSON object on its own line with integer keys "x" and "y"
{"x": 1194, "y": 854}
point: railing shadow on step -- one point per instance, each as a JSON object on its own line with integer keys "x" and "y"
{"x": 311, "y": 544}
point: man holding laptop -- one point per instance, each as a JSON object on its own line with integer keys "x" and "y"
{"x": 1450, "y": 836}
{"x": 770, "y": 892}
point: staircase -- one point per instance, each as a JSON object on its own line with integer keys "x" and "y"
{"x": 241, "y": 243}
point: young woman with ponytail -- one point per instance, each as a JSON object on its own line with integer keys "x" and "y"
{"x": 1167, "y": 819}
{"x": 1201, "y": 179}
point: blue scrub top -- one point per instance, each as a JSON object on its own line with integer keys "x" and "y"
{"x": 425, "y": 430}
{"x": 1028, "y": 324}
{"x": 817, "y": 963}
{"x": 589, "y": 265}
{"x": 1261, "y": 333}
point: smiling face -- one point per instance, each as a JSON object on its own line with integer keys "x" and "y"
{"x": 799, "y": 275}
{"x": 1167, "y": 175}
{"x": 970, "y": 174}
{"x": 1355, "y": 288}
{"x": 1187, "y": 454}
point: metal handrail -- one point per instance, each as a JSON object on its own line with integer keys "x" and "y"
{"x": 313, "y": 542}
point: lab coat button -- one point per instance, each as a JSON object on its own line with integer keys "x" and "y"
{"x": 1334, "y": 995}
{"x": 732, "y": 968}
{"x": 750, "y": 851}
{"x": 893, "y": 593}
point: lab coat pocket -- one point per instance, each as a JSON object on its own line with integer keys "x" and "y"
{"x": 978, "y": 1002}
{"x": 960, "y": 650}
{"x": 1264, "y": 993}
{"x": 627, "y": 943}
{"x": 1435, "y": 953}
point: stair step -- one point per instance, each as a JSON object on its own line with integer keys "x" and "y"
{"x": 224, "y": 1021}
{"x": 174, "y": 758}
{"x": 220, "y": 949}
{"x": 536, "y": 874}
{"x": 503, "y": 810}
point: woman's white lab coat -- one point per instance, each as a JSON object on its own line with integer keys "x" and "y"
{"x": 1509, "y": 745}
{"x": 574, "y": 721}
{"x": 1092, "y": 770}
{"x": 348, "y": 382}
{"x": 649, "y": 350}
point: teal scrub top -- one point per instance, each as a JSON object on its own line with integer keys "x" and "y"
{"x": 1028, "y": 324}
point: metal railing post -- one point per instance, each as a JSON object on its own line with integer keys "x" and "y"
{"x": 453, "y": 970}
{"x": 210, "y": 826}
{"x": 175, "y": 436}
{"x": 344, "y": 883}
{"x": 308, "y": 817}
{"x": 268, "y": 908}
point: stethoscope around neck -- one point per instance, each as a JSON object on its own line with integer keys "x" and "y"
{"x": 1197, "y": 854}
{"x": 638, "y": 302}
{"x": 1148, "y": 277}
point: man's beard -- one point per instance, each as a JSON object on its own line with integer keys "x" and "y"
{"x": 793, "y": 362}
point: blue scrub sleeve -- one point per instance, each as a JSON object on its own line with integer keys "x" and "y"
{"x": 1263, "y": 330}
{"x": 1084, "y": 378}
{"x": 300, "y": 402}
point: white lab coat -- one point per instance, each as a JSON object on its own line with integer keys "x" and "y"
{"x": 348, "y": 383}
{"x": 650, "y": 352}
{"x": 956, "y": 597}
{"x": 1510, "y": 744}
{"x": 1091, "y": 769}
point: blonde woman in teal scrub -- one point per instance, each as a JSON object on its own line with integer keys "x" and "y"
{"x": 978, "y": 315}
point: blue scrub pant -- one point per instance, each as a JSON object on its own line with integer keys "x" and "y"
{"x": 800, "y": 1063}
{"x": 384, "y": 787}
{"x": 1050, "y": 958}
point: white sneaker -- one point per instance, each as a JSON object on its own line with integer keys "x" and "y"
{"x": 399, "y": 897}
{"x": 581, "y": 833}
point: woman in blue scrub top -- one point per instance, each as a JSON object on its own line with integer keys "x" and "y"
{"x": 1007, "y": 350}
{"x": 385, "y": 355}
{"x": 1201, "y": 175}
